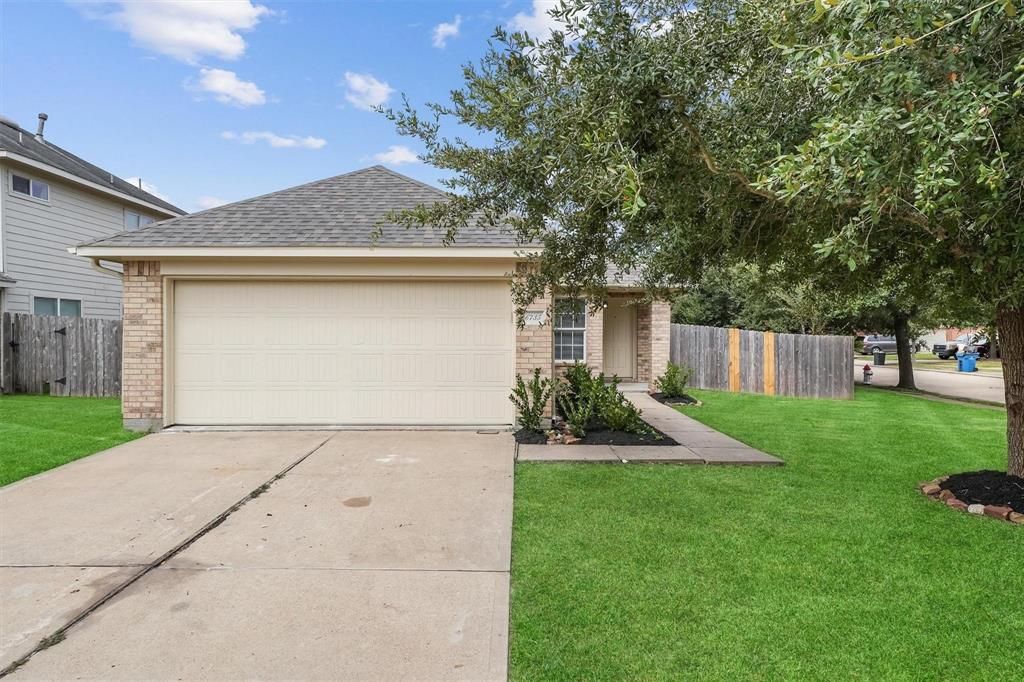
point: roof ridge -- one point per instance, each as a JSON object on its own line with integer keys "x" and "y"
{"x": 410, "y": 180}
{"x": 240, "y": 202}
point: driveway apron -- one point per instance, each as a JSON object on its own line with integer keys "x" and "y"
{"x": 381, "y": 555}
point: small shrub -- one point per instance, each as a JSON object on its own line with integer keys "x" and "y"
{"x": 673, "y": 382}
{"x": 530, "y": 399}
{"x": 576, "y": 383}
{"x": 618, "y": 413}
{"x": 579, "y": 397}
{"x": 579, "y": 413}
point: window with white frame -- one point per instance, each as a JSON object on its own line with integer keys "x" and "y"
{"x": 69, "y": 307}
{"x": 570, "y": 330}
{"x": 29, "y": 187}
{"x": 133, "y": 220}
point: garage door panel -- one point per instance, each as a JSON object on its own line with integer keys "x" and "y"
{"x": 342, "y": 352}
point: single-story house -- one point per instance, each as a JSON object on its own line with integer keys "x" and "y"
{"x": 288, "y": 309}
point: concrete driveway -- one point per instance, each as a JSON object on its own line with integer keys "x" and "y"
{"x": 361, "y": 554}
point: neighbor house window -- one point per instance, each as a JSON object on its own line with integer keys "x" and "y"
{"x": 133, "y": 220}
{"x": 570, "y": 329}
{"x": 29, "y": 187}
{"x": 69, "y": 307}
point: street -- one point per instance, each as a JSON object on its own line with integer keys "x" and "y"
{"x": 972, "y": 386}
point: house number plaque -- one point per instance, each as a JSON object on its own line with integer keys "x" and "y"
{"x": 533, "y": 318}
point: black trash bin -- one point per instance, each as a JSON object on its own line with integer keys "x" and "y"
{"x": 879, "y": 358}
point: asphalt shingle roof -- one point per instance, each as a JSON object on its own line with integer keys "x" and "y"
{"x": 20, "y": 141}
{"x": 338, "y": 211}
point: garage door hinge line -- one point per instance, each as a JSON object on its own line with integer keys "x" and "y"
{"x": 58, "y": 636}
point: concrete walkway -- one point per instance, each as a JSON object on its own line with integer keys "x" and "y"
{"x": 360, "y": 555}
{"x": 698, "y": 444}
{"x": 972, "y": 386}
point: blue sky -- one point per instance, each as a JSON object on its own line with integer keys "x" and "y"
{"x": 218, "y": 101}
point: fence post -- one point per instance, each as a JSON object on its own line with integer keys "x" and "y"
{"x": 6, "y": 376}
{"x": 769, "y": 363}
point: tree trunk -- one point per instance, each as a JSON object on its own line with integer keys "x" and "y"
{"x": 1010, "y": 321}
{"x": 904, "y": 353}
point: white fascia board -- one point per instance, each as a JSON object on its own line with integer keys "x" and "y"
{"x": 142, "y": 252}
{"x": 64, "y": 175}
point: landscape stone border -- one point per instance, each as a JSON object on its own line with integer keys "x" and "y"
{"x": 934, "y": 490}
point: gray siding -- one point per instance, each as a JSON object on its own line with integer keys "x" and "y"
{"x": 35, "y": 239}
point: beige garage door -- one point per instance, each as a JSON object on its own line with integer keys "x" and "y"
{"x": 356, "y": 352}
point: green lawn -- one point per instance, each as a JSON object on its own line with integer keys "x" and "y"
{"x": 39, "y": 432}
{"x": 833, "y": 567}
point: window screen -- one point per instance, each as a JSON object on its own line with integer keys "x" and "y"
{"x": 570, "y": 330}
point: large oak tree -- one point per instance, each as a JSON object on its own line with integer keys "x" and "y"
{"x": 665, "y": 137}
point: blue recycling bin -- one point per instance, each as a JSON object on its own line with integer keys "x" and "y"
{"x": 967, "y": 362}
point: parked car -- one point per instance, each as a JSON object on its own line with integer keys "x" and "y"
{"x": 969, "y": 343}
{"x": 883, "y": 344}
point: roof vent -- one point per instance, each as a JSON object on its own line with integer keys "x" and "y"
{"x": 39, "y": 130}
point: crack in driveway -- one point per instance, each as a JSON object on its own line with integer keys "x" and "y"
{"x": 58, "y": 635}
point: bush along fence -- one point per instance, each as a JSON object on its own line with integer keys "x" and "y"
{"x": 53, "y": 355}
{"x": 745, "y": 361}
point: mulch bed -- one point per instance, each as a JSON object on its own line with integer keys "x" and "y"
{"x": 609, "y": 437}
{"x": 680, "y": 400}
{"x": 987, "y": 487}
{"x": 989, "y": 493}
{"x": 598, "y": 435}
{"x": 528, "y": 437}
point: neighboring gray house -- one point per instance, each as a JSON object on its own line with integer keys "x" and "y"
{"x": 50, "y": 200}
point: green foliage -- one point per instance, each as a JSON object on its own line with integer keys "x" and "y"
{"x": 578, "y": 381}
{"x": 618, "y": 413}
{"x": 673, "y": 382}
{"x": 530, "y": 399}
{"x": 584, "y": 397}
{"x": 578, "y": 397}
{"x": 666, "y": 137}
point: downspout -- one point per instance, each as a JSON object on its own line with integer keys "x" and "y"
{"x": 95, "y": 263}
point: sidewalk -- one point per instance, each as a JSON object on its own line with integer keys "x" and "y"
{"x": 698, "y": 444}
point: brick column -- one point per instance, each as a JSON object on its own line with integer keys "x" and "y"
{"x": 595, "y": 341}
{"x": 535, "y": 344}
{"x": 142, "y": 366}
{"x": 653, "y": 327}
{"x": 661, "y": 332}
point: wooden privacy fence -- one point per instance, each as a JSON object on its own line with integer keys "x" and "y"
{"x": 61, "y": 355}
{"x": 739, "y": 360}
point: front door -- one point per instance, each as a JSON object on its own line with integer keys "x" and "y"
{"x": 620, "y": 340}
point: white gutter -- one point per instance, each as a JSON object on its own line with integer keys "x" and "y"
{"x": 46, "y": 168}
{"x": 143, "y": 252}
{"x": 95, "y": 263}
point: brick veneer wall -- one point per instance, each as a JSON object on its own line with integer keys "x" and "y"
{"x": 142, "y": 380}
{"x": 534, "y": 345}
{"x": 653, "y": 328}
{"x": 643, "y": 342}
{"x": 660, "y": 338}
{"x": 595, "y": 340}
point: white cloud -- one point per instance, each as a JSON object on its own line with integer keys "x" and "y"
{"x": 396, "y": 155}
{"x": 228, "y": 88}
{"x": 146, "y": 187}
{"x": 275, "y": 140}
{"x": 446, "y": 30}
{"x": 186, "y": 29}
{"x": 365, "y": 91}
{"x": 210, "y": 202}
{"x": 538, "y": 22}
